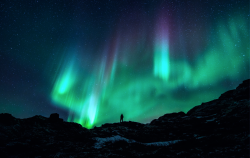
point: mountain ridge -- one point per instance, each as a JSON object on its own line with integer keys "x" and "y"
{"x": 218, "y": 128}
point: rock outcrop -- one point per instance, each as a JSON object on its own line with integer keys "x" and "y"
{"x": 219, "y": 128}
{"x": 55, "y": 118}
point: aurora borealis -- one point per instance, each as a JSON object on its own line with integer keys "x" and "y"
{"x": 91, "y": 61}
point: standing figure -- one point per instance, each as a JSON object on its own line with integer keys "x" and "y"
{"x": 121, "y": 118}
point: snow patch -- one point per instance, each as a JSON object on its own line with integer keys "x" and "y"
{"x": 211, "y": 120}
{"x": 199, "y": 117}
{"x": 101, "y": 141}
{"x": 200, "y": 137}
{"x": 167, "y": 143}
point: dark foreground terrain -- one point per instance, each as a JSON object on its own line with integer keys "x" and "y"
{"x": 219, "y": 128}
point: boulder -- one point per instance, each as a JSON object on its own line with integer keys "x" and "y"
{"x": 7, "y": 119}
{"x": 54, "y": 117}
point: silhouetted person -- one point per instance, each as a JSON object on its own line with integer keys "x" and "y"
{"x": 121, "y": 118}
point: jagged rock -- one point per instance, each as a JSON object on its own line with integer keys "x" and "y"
{"x": 7, "y": 119}
{"x": 55, "y": 118}
{"x": 227, "y": 94}
{"x": 167, "y": 117}
{"x": 219, "y": 128}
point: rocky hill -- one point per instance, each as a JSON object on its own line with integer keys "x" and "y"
{"x": 219, "y": 128}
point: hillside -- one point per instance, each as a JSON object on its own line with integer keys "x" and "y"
{"x": 219, "y": 128}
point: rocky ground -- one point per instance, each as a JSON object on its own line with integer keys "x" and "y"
{"x": 219, "y": 128}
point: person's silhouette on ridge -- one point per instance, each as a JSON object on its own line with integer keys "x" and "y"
{"x": 121, "y": 118}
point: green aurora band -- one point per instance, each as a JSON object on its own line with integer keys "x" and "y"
{"x": 120, "y": 83}
{"x": 161, "y": 53}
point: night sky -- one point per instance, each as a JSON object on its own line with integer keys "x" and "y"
{"x": 92, "y": 60}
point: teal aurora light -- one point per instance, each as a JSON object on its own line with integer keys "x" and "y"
{"x": 151, "y": 77}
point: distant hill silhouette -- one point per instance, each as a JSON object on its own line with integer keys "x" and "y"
{"x": 219, "y": 128}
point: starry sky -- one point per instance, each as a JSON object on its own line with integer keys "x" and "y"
{"x": 93, "y": 60}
